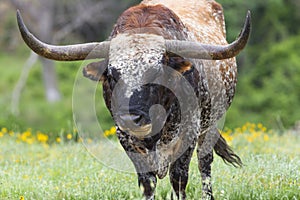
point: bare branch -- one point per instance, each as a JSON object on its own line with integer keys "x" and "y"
{"x": 21, "y": 83}
{"x": 86, "y": 15}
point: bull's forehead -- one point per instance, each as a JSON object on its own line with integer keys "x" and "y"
{"x": 133, "y": 54}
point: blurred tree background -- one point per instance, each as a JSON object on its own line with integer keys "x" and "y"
{"x": 268, "y": 88}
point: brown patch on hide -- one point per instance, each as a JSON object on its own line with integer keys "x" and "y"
{"x": 140, "y": 149}
{"x": 158, "y": 20}
{"x": 176, "y": 62}
{"x": 94, "y": 70}
{"x": 218, "y": 15}
{"x": 217, "y": 10}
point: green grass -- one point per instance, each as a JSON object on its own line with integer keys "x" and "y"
{"x": 68, "y": 171}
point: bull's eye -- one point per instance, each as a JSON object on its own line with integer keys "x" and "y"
{"x": 113, "y": 74}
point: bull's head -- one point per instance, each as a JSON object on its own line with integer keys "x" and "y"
{"x": 133, "y": 69}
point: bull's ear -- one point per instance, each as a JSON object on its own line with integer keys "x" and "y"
{"x": 95, "y": 71}
{"x": 178, "y": 63}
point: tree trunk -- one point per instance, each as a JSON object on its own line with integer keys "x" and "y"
{"x": 50, "y": 82}
{"x": 45, "y": 24}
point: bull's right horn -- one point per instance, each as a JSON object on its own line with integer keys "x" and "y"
{"x": 190, "y": 49}
{"x": 63, "y": 53}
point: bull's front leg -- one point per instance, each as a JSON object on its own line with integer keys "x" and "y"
{"x": 143, "y": 161}
{"x": 205, "y": 159}
{"x": 147, "y": 182}
{"x": 179, "y": 171}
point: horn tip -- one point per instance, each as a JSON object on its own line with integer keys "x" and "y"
{"x": 247, "y": 25}
{"x": 18, "y": 15}
{"x": 20, "y": 20}
{"x": 248, "y": 17}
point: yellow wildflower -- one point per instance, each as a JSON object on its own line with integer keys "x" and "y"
{"x": 4, "y": 130}
{"x": 260, "y": 126}
{"x": 89, "y": 141}
{"x": 238, "y": 130}
{"x": 25, "y": 176}
{"x": 106, "y": 133}
{"x": 58, "y": 140}
{"x": 27, "y": 133}
{"x": 227, "y": 137}
{"x": 264, "y": 129}
{"x": 69, "y": 136}
{"x": 266, "y": 137}
{"x": 256, "y": 134}
{"x": 244, "y": 128}
{"x": 29, "y": 140}
{"x": 252, "y": 129}
{"x": 22, "y": 198}
{"x": 250, "y": 139}
{"x": 23, "y": 136}
{"x": 252, "y": 125}
{"x": 113, "y": 130}
{"x": 11, "y": 133}
{"x": 43, "y": 138}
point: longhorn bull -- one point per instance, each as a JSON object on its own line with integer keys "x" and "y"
{"x": 167, "y": 53}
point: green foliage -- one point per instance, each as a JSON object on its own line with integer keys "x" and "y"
{"x": 269, "y": 91}
{"x": 35, "y": 111}
{"x": 268, "y": 85}
{"x": 7, "y": 27}
{"x": 272, "y": 20}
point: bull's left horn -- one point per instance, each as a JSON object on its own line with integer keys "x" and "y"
{"x": 63, "y": 53}
{"x": 190, "y": 49}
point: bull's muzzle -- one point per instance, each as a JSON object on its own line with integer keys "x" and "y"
{"x": 134, "y": 124}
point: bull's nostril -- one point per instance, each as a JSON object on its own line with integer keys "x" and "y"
{"x": 131, "y": 118}
{"x": 134, "y": 125}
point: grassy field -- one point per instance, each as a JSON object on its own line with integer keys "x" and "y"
{"x": 31, "y": 167}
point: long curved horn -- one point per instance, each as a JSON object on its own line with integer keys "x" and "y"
{"x": 196, "y": 50}
{"x": 63, "y": 53}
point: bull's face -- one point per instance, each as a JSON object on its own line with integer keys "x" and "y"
{"x": 133, "y": 60}
{"x": 136, "y": 77}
